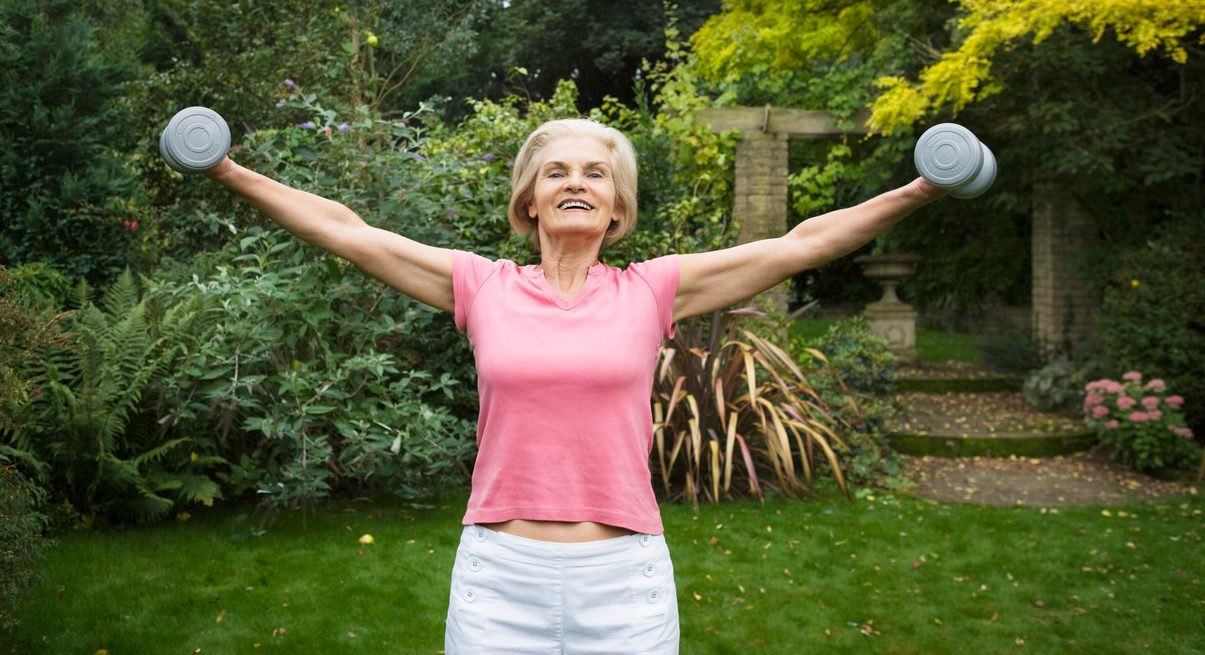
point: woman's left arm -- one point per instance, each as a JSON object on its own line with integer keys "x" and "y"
{"x": 713, "y": 280}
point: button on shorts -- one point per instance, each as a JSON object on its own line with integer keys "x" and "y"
{"x": 515, "y": 595}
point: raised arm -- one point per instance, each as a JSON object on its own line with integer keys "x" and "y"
{"x": 714, "y": 280}
{"x": 420, "y": 271}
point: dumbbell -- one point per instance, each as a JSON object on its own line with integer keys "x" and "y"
{"x": 195, "y": 140}
{"x": 950, "y": 157}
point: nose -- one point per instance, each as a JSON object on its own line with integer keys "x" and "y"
{"x": 573, "y": 181}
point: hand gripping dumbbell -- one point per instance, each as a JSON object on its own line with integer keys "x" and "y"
{"x": 195, "y": 140}
{"x": 950, "y": 157}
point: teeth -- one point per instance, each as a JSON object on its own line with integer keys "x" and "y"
{"x": 574, "y": 204}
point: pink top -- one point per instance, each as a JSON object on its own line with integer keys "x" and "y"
{"x": 565, "y": 428}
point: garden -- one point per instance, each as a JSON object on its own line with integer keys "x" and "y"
{"x": 216, "y": 438}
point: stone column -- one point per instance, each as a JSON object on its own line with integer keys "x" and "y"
{"x": 760, "y": 197}
{"x": 1063, "y": 304}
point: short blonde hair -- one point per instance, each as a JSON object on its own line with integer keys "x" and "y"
{"x": 527, "y": 164}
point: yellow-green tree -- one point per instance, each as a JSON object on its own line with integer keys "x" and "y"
{"x": 769, "y": 37}
{"x": 963, "y": 74}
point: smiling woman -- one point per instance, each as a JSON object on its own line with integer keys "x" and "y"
{"x": 562, "y": 547}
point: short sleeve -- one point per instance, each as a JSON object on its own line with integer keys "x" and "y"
{"x": 469, "y": 273}
{"x": 661, "y": 276}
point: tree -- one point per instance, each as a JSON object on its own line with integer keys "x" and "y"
{"x": 61, "y": 180}
{"x": 1108, "y": 120}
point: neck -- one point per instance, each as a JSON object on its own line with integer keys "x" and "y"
{"x": 567, "y": 271}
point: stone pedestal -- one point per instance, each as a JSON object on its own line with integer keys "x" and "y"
{"x": 891, "y": 319}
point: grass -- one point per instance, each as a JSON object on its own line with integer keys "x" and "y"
{"x": 931, "y": 345}
{"x": 875, "y": 575}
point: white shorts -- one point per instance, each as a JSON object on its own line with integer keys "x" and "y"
{"x": 516, "y": 595}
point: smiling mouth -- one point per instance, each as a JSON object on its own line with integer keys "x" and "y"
{"x": 574, "y": 204}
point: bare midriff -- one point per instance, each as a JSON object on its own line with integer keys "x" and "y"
{"x": 559, "y": 531}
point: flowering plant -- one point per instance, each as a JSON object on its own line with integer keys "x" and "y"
{"x": 1139, "y": 422}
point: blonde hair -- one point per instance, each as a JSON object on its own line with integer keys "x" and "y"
{"x": 527, "y": 164}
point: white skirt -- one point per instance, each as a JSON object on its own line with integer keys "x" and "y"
{"x": 516, "y": 595}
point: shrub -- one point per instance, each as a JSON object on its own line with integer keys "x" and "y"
{"x": 1140, "y": 424}
{"x": 61, "y": 183}
{"x": 21, "y": 542}
{"x": 315, "y": 380}
{"x": 90, "y": 430}
{"x": 726, "y": 403}
{"x": 858, "y": 363}
{"x": 1057, "y": 386}
{"x": 1151, "y": 315}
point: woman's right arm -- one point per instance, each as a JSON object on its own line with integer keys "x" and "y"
{"x": 420, "y": 271}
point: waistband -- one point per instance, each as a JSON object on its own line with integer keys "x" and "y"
{"x": 554, "y": 551}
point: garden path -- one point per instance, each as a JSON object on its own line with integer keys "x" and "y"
{"x": 959, "y": 407}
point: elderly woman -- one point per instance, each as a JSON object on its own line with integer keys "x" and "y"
{"x": 562, "y": 549}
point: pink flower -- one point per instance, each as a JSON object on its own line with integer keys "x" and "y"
{"x": 1100, "y": 411}
{"x": 1155, "y": 414}
{"x": 1138, "y": 417}
{"x": 1093, "y": 399}
{"x": 1113, "y": 425}
{"x": 1132, "y": 375}
{"x": 1174, "y": 401}
{"x": 1097, "y": 385}
{"x": 1115, "y": 387}
{"x": 1150, "y": 402}
{"x": 1156, "y": 385}
{"x": 1183, "y": 432}
{"x": 1125, "y": 402}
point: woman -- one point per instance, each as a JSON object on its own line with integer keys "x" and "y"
{"x": 562, "y": 549}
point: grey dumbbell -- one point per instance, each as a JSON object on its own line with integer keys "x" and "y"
{"x": 950, "y": 157}
{"x": 195, "y": 140}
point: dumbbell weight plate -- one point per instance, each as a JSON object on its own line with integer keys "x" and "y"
{"x": 195, "y": 140}
{"x": 948, "y": 155}
{"x": 981, "y": 182}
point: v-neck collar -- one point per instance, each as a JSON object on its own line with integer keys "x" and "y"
{"x": 536, "y": 274}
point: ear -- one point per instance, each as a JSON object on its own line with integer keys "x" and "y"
{"x": 531, "y": 212}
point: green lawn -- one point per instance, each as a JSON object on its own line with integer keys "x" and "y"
{"x": 878, "y": 576}
{"x": 931, "y": 345}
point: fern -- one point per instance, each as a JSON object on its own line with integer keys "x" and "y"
{"x": 92, "y": 425}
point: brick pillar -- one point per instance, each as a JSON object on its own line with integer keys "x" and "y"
{"x": 1063, "y": 305}
{"x": 760, "y": 197}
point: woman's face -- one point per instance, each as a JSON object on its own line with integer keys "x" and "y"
{"x": 575, "y": 188}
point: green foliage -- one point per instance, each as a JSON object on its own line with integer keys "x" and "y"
{"x": 526, "y": 47}
{"x": 862, "y": 367}
{"x": 89, "y": 430}
{"x": 963, "y": 75}
{"x": 1140, "y": 423}
{"x": 716, "y": 392}
{"x": 1151, "y": 316}
{"x": 29, "y": 323}
{"x": 1056, "y": 386}
{"x": 61, "y": 180}
{"x": 313, "y": 381}
{"x": 21, "y": 543}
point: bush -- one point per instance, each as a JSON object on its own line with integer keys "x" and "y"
{"x": 728, "y": 402}
{"x": 316, "y": 381}
{"x": 1151, "y": 316}
{"x": 1056, "y": 386}
{"x": 90, "y": 430}
{"x": 61, "y": 182}
{"x": 864, "y": 370}
{"x": 1140, "y": 425}
{"x": 21, "y": 542}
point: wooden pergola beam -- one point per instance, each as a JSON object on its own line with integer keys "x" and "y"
{"x": 802, "y": 123}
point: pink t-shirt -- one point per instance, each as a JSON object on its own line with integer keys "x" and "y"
{"x": 565, "y": 428}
